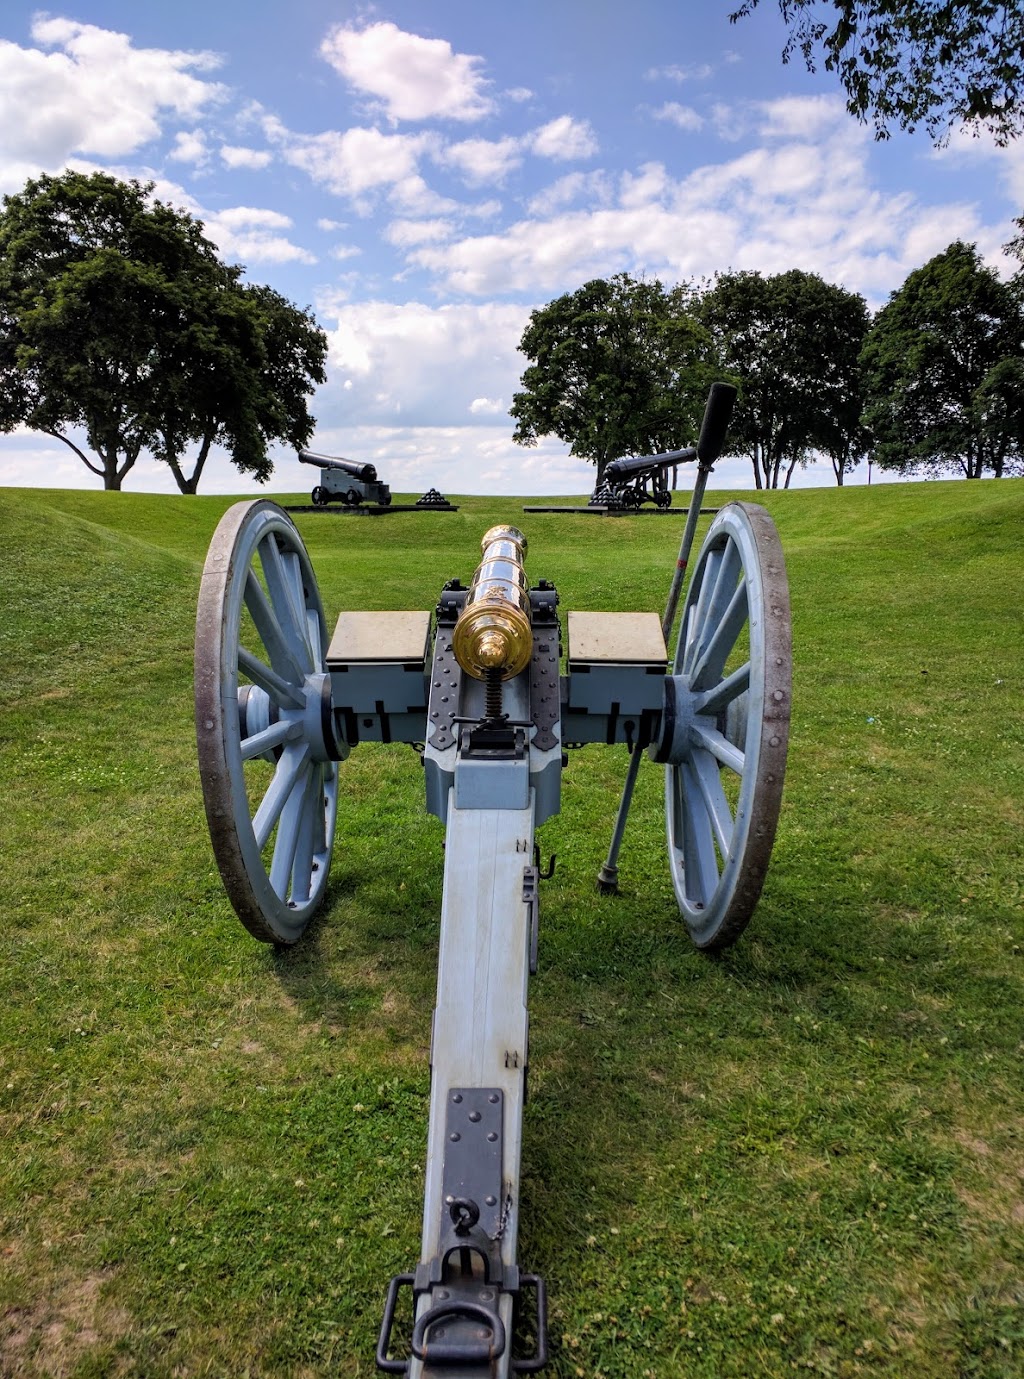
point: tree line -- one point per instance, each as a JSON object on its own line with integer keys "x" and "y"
{"x": 933, "y": 383}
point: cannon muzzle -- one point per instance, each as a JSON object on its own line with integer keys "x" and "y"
{"x": 365, "y": 473}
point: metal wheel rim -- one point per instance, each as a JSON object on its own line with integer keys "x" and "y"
{"x": 302, "y": 795}
{"x": 717, "y": 905}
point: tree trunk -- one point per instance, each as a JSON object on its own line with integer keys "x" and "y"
{"x": 191, "y": 484}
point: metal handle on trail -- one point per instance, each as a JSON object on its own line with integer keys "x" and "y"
{"x": 488, "y": 1347}
{"x": 713, "y": 428}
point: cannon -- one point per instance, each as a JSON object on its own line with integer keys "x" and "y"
{"x": 349, "y": 481}
{"x": 637, "y": 479}
{"x": 475, "y": 686}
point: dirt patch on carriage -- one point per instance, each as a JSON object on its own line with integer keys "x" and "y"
{"x": 51, "y": 1336}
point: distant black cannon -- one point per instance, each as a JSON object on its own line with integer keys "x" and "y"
{"x": 348, "y": 481}
{"x": 638, "y": 479}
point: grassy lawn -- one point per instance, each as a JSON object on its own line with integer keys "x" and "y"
{"x": 804, "y": 1156}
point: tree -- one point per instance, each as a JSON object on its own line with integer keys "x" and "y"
{"x": 944, "y": 371}
{"x": 118, "y": 318}
{"x": 916, "y": 62}
{"x": 792, "y": 341}
{"x": 618, "y": 367}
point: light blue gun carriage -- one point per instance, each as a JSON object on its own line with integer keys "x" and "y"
{"x": 478, "y": 684}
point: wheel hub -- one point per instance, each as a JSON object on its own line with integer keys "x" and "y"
{"x": 673, "y": 743}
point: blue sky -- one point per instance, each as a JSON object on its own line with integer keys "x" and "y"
{"x": 423, "y": 175}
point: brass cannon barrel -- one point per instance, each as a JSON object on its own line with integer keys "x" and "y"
{"x": 493, "y": 632}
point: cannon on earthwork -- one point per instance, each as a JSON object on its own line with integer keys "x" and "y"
{"x": 475, "y": 686}
{"x": 348, "y": 481}
{"x": 633, "y": 480}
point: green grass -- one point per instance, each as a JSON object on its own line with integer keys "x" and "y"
{"x": 806, "y": 1155}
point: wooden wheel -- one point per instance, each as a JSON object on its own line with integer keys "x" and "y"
{"x": 725, "y": 725}
{"x": 268, "y": 745}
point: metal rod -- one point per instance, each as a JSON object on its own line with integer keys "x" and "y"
{"x": 608, "y": 876}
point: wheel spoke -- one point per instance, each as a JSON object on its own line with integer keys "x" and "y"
{"x": 302, "y": 861}
{"x": 294, "y": 823}
{"x": 325, "y": 773}
{"x": 709, "y": 782}
{"x": 714, "y": 700}
{"x": 719, "y": 746}
{"x": 289, "y": 768}
{"x": 282, "y": 657}
{"x": 713, "y": 657}
{"x": 315, "y": 639}
{"x": 716, "y": 591}
{"x": 700, "y": 866}
{"x": 695, "y": 619}
{"x": 283, "y": 694}
{"x": 290, "y": 614}
{"x": 274, "y": 736}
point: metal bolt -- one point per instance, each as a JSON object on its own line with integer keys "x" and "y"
{"x": 455, "y": 1137}
{"x": 493, "y": 1098}
{"x": 457, "y": 1098}
{"x": 491, "y": 1201}
{"x": 492, "y": 1136}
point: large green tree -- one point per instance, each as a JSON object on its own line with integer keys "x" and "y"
{"x": 118, "y": 320}
{"x": 792, "y": 341}
{"x": 911, "y": 63}
{"x": 944, "y": 371}
{"x": 618, "y": 367}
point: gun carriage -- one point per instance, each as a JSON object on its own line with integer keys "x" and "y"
{"x": 348, "y": 481}
{"x": 476, "y": 687}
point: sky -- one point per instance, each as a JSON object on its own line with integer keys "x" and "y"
{"x": 423, "y": 175}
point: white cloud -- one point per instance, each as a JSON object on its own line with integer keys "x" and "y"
{"x": 574, "y": 186}
{"x": 248, "y": 234}
{"x": 412, "y": 197}
{"x": 788, "y": 203}
{"x": 414, "y": 364}
{"x": 98, "y": 95}
{"x": 519, "y": 94}
{"x": 235, "y": 156}
{"x": 484, "y": 160}
{"x": 405, "y": 233}
{"x": 341, "y": 252}
{"x": 697, "y": 72}
{"x": 189, "y": 147}
{"x": 564, "y": 139}
{"x": 802, "y": 117}
{"x": 488, "y": 407}
{"x": 356, "y": 162}
{"x": 331, "y": 225}
{"x": 413, "y": 78}
{"x": 684, "y": 116}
